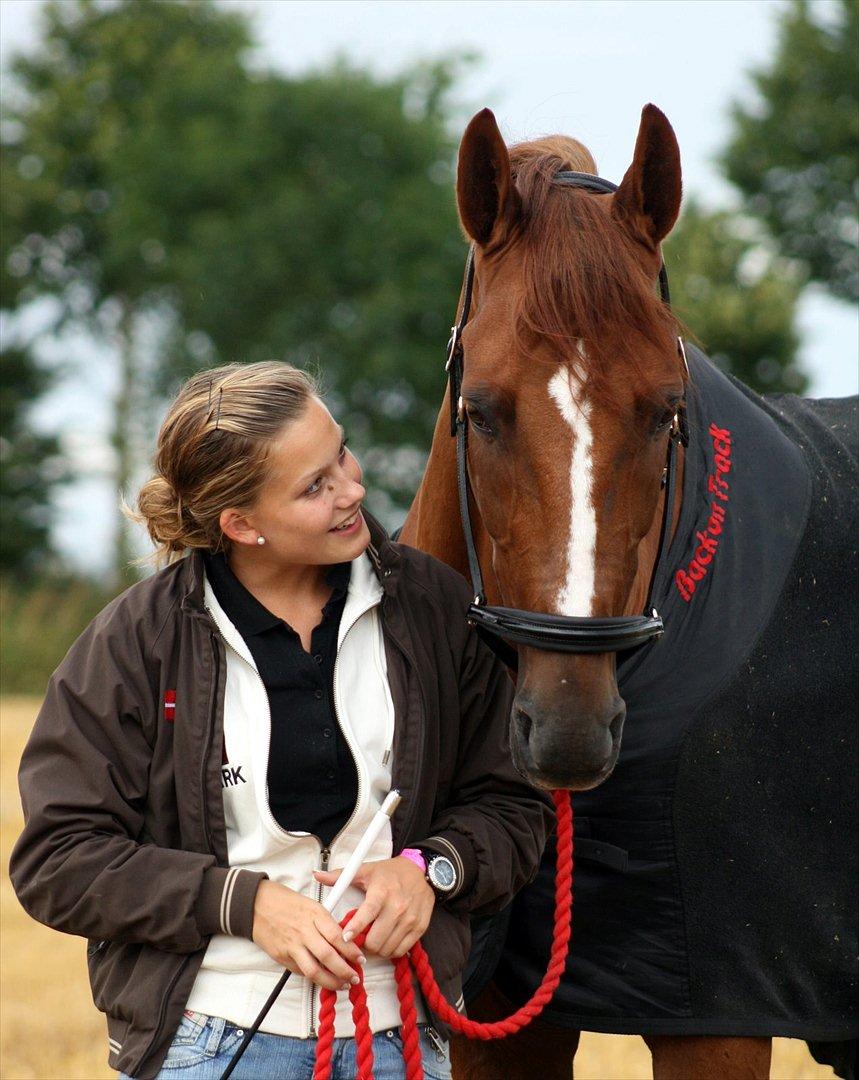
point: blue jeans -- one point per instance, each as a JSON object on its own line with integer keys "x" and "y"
{"x": 204, "y": 1045}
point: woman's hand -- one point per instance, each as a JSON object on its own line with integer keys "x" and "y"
{"x": 399, "y": 903}
{"x": 300, "y": 935}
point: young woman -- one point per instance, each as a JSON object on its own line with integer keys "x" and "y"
{"x": 215, "y": 743}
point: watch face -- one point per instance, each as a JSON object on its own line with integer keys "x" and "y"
{"x": 442, "y": 873}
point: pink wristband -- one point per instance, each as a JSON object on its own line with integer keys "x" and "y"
{"x": 413, "y": 855}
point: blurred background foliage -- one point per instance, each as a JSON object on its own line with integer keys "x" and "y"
{"x": 794, "y": 151}
{"x": 186, "y": 210}
{"x": 736, "y": 296}
{"x": 32, "y": 467}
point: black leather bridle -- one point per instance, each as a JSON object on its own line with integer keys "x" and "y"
{"x": 503, "y": 627}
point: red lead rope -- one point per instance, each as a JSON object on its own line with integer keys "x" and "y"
{"x": 417, "y": 959}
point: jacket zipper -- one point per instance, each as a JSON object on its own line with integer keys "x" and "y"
{"x": 324, "y": 856}
{"x": 162, "y": 1012}
{"x": 343, "y": 729}
{"x": 267, "y": 808}
{"x": 279, "y": 830}
{"x": 326, "y": 852}
{"x": 437, "y": 1042}
{"x": 419, "y": 757}
{"x": 207, "y": 747}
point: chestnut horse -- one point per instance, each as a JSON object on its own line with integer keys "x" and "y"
{"x": 571, "y": 381}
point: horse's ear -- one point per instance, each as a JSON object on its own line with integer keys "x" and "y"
{"x": 488, "y": 202}
{"x": 648, "y": 200}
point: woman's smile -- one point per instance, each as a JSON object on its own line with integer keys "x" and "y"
{"x": 350, "y": 525}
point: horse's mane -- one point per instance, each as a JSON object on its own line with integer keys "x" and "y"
{"x": 581, "y": 280}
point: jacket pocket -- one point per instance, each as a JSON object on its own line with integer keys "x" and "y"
{"x": 137, "y": 986}
{"x": 130, "y": 981}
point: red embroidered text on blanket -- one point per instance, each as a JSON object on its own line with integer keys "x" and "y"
{"x": 708, "y": 538}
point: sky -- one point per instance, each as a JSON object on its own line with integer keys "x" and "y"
{"x": 581, "y": 67}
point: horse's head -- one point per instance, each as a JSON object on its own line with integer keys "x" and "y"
{"x": 571, "y": 380}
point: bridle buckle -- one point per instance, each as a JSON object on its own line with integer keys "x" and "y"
{"x": 681, "y": 348}
{"x": 451, "y": 346}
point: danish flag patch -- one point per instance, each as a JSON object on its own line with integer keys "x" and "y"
{"x": 169, "y": 706}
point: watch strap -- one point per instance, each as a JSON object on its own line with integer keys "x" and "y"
{"x": 416, "y": 856}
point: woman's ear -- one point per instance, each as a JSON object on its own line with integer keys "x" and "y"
{"x": 489, "y": 204}
{"x": 648, "y": 200}
{"x": 236, "y": 527}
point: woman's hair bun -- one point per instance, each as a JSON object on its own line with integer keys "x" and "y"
{"x": 160, "y": 510}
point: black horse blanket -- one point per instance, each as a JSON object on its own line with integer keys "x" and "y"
{"x": 716, "y": 870}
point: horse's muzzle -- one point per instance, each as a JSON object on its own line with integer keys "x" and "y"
{"x": 576, "y": 753}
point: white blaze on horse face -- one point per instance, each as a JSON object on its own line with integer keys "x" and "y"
{"x": 576, "y": 595}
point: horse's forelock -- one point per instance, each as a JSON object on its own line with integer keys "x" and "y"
{"x": 580, "y": 278}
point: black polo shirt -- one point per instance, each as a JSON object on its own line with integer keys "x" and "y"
{"x": 312, "y": 779}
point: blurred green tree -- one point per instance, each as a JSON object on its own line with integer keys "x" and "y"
{"x": 104, "y": 160}
{"x": 31, "y": 466}
{"x": 189, "y": 211}
{"x": 794, "y": 151}
{"x": 736, "y": 297}
{"x": 345, "y": 254}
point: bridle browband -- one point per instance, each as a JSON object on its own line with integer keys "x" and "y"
{"x": 501, "y": 626}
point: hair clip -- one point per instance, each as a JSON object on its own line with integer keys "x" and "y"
{"x": 220, "y": 398}
{"x": 209, "y": 405}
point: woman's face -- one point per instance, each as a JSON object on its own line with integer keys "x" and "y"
{"x": 313, "y": 488}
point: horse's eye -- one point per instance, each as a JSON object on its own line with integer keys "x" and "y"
{"x": 478, "y": 420}
{"x": 665, "y": 415}
{"x": 665, "y": 418}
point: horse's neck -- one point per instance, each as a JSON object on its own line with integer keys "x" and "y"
{"x": 433, "y": 522}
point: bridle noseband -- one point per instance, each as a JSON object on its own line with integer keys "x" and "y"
{"x": 500, "y": 626}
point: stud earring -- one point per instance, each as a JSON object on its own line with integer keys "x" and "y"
{"x": 260, "y": 539}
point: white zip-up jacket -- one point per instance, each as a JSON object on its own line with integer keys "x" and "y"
{"x": 237, "y": 976}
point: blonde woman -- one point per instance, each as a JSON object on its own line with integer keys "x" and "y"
{"x": 216, "y": 741}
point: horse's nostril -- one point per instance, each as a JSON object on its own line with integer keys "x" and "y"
{"x": 524, "y": 723}
{"x": 616, "y": 725}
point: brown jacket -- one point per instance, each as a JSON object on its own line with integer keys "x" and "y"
{"x": 125, "y": 841}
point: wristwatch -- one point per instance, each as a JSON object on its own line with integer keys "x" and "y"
{"x": 437, "y": 869}
{"x": 441, "y": 873}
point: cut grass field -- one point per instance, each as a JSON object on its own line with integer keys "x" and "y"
{"x": 50, "y": 1030}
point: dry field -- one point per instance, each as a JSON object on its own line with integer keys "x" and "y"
{"x": 50, "y": 1030}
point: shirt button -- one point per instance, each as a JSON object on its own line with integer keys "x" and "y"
{"x": 327, "y": 732}
{"x": 331, "y": 774}
{"x": 317, "y": 694}
{"x": 318, "y": 658}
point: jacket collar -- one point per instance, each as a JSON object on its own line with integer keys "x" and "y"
{"x": 383, "y": 552}
{"x": 383, "y": 556}
{"x": 364, "y": 592}
{"x": 250, "y": 616}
